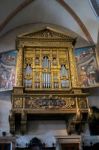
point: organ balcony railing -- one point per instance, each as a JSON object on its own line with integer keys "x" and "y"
{"x": 49, "y": 103}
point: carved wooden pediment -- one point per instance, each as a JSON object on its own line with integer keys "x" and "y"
{"x": 47, "y": 33}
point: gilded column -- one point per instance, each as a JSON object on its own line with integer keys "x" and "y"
{"x": 73, "y": 69}
{"x": 19, "y": 68}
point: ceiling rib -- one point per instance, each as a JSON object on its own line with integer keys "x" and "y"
{"x": 77, "y": 19}
{"x": 14, "y": 12}
{"x": 62, "y": 3}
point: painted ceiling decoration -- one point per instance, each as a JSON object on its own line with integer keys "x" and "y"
{"x": 65, "y": 9}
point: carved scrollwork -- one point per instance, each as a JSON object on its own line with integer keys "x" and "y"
{"x": 18, "y": 102}
{"x": 28, "y": 60}
{"x": 46, "y": 103}
{"x": 82, "y": 103}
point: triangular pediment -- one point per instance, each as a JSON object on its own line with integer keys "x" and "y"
{"x": 47, "y": 33}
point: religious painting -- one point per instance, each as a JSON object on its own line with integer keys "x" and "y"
{"x": 7, "y": 70}
{"x": 87, "y": 67}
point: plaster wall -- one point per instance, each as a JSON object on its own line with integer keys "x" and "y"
{"x": 5, "y": 106}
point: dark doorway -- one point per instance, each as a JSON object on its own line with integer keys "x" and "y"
{"x": 95, "y": 146}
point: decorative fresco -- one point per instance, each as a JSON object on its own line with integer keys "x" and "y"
{"x": 7, "y": 70}
{"x": 88, "y": 71}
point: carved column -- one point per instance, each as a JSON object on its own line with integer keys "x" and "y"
{"x": 71, "y": 124}
{"x": 73, "y": 69}
{"x": 78, "y": 113}
{"x": 19, "y": 68}
{"x": 23, "y": 123}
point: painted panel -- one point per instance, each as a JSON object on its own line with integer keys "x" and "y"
{"x": 7, "y": 70}
{"x": 88, "y": 71}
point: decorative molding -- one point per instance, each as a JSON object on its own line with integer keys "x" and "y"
{"x": 48, "y": 32}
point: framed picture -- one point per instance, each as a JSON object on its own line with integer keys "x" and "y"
{"x": 7, "y": 70}
{"x": 87, "y": 67}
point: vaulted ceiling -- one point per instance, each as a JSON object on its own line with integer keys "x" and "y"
{"x": 76, "y": 15}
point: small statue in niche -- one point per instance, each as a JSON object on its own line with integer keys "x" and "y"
{"x": 54, "y": 61}
{"x": 37, "y": 61}
{"x": 83, "y": 77}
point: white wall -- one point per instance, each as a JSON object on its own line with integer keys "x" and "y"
{"x": 5, "y": 106}
{"x": 47, "y": 127}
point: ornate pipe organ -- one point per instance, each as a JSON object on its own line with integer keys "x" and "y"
{"x": 46, "y": 80}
